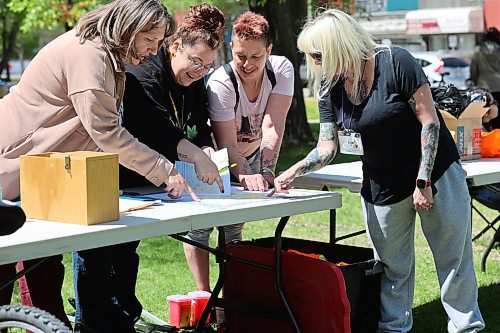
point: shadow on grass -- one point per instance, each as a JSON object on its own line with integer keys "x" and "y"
{"x": 431, "y": 317}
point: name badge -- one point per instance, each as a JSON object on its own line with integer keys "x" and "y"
{"x": 350, "y": 143}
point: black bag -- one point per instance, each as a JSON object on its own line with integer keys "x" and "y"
{"x": 11, "y": 218}
{"x": 450, "y": 99}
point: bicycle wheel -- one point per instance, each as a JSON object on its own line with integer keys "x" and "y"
{"x": 20, "y": 318}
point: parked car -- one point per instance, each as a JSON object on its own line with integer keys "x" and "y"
{"x": 435, "y": 64}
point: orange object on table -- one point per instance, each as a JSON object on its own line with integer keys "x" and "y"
{"x": 490, "y": 143}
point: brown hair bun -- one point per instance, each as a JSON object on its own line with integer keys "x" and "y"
{"x": 202, "y": 23}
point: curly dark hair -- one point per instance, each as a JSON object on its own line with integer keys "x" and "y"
{"x": 250, "y": 25}
{"x": 202, "y": 23}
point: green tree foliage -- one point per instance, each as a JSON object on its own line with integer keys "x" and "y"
{"x": 48, "y": 14}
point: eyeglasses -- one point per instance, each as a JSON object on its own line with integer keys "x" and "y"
{"x": 196, "y": 65}
{"x": 317, "y": 56}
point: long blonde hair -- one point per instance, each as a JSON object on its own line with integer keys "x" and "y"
{"x": 118, "y": 22}
{"x": 343, "y": 45}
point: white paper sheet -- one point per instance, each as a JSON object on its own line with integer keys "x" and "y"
{"x": 188, "y": 171}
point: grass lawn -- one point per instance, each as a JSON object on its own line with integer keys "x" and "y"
{"x": 312, "y": 113}
{"x": 163, "y": 270}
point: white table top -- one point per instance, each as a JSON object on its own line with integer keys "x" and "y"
{"x": 483, "y": 172}
{"x": 44, "y": 238}
{"x": 479, "y": 172}
{"x": 348, "y": 175}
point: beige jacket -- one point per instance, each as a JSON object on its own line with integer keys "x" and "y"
{"x": 69, "y": 99}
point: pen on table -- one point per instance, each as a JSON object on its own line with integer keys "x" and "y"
{"x": 129, "y": 193}
{"x": 270, "y": 194}
{"x": 273, "y": 191}
{"x": 144, "y": 205}
{"x": 227, "y": 167}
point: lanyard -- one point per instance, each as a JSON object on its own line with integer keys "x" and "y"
{"x": 181, "y": 124}
{"x": 342, "y": 113}
{"x": 352, "y": 111}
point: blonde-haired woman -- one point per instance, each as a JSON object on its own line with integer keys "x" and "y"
{"x": 375, "y": 102}
{"x": 68, "y": 99}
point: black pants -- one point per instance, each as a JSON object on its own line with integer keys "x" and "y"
{"x": 105, "y": 289}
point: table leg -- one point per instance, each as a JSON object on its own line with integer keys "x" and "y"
{"x": 333, "y": 226}
{"x": 277, "y": 270}
{"x": 222, "y": 256}
{"x": 495, "y": 239}
{"x": 21, "y": 273}
{"x": 221, "y": 260}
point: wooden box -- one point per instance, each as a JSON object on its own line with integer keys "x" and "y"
{"x": 77, "y": 187}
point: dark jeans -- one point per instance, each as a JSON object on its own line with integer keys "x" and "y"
{"x": 41, "y": 287}
{"x": 104, "y": 281}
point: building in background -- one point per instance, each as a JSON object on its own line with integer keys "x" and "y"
{"x": 453, "y": 26}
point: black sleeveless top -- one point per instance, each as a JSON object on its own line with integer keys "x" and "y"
{"x": 389, "y": 128}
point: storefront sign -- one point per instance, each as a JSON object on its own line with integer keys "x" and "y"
{"x": 445, "y": 21}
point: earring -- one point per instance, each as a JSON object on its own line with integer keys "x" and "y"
{"x": 172, "y": 54}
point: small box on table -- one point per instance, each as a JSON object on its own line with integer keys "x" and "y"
{"x": 76, "y": 187}
{"x": 466, "y": 130}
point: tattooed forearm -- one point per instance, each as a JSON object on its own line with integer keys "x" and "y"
{"x": 315, "y": 160}
{"x": 268, "y": 163}
{"x": 326, "y": 131}
{"x": 269, "y": 155}
{"x": 429, "y": 144}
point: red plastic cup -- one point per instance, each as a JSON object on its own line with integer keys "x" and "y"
{"x": 180, "y": 310}
{"x": 199, "y": 300}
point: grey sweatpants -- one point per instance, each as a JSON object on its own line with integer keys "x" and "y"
{"x": 447, "y": 228}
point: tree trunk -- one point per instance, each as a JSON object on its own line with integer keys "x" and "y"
{"x": 285, "y": 20}
{"x": 9, "y": 42}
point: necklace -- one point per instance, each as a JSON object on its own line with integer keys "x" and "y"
{"x": 180, "y": 121}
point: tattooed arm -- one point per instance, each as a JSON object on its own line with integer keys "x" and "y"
{"x": 226, "y": 137}
{"x": 425, "y": 111}
{"x": 273, "y": 127}
{"x": 325, "y": 151}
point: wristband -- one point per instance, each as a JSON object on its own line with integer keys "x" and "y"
{"x": 423, "y": 183}
{"x": 267, "y": 171}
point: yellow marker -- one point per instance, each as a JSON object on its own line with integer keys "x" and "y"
{"x": 224, "y": 169}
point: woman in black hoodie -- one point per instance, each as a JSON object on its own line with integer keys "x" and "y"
{"x": 165, "y": 103}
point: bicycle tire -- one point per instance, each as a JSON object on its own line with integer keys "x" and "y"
{"x": 30, "y": 319}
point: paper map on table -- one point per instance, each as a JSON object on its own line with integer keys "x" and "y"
{"x": 221, "y": 160}
{"x": 218, "y": 201}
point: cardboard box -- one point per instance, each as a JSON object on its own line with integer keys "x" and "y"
{"x": 466, "y": 130}
{"x": 77, "y": 187}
